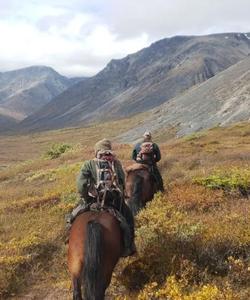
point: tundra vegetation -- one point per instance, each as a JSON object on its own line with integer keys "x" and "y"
{"x": 193, "y": 241}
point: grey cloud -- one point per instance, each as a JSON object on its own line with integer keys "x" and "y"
{"x": 8, "y": 6}
{"x": 86, "y": 64}
{"x": 161, "y": 18}
{"x": 46, "y": 22}
{"x": 128, "y": 19}
{"x": 78, "y": 63}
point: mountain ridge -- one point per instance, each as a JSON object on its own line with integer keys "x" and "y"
{"x": 142, "y": 80}
{"x": 24, "y": 91}
{"x": 221, "y": 100}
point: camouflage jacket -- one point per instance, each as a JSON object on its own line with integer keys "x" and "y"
{"x": 88, "y": 176}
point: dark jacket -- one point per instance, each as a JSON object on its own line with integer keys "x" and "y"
{"x": 88, "y": 176}
{"x": 156, "y": 152}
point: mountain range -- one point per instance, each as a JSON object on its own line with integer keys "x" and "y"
{"x": 154, "y": 77}
{"x": 221, "y": 100}
{"x": 24, "y": 91}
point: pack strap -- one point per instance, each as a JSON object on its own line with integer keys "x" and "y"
{"x": 107, "y": 185}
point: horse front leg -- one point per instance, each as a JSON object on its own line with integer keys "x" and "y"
{"x": 77, "y": 294}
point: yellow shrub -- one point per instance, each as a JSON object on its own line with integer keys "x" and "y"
{"x": 174, "y": 289}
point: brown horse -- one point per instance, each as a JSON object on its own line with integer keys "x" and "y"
{"x": 95, "y": 246}
{"x": 140, "y": 187}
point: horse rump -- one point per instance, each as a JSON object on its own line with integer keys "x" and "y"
{"x": 139, "y": 187}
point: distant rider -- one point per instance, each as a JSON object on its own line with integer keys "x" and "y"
{"x": 147, "y": 152}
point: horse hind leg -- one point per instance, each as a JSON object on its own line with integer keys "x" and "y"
{"x": 77, "y": 294}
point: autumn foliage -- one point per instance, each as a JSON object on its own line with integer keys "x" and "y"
{"x": 193, "y": 241}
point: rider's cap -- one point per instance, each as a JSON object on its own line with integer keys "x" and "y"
{"x": 103, "y": 145}
{"x": 147, "y": 134}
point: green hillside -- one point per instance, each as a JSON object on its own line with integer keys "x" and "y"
{"x": 193, "y": 241}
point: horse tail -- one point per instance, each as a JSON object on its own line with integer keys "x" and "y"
{"x": 136, "y": 200}
{"x": 92, "y": 271}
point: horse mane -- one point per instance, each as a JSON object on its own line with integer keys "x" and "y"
{"x": 92, "y": 272}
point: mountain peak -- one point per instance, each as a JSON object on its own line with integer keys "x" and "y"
{"x": 24, "y": 91}
{"x": 37, "y": 69}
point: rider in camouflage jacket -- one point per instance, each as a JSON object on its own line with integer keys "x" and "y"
{"x": 89, "y": 187}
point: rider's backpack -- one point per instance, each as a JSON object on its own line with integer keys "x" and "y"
{"x": 107, "y": 186}
{"x": 146, "y": 152}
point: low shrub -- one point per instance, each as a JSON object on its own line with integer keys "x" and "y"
{"x": 57, "y": 150}
{"x": 163, "y": 236}
{"x": 239, "y": 272}
{"x": 191, "y": 197}
{"x": 232, "y": 180}
{"x": 46, "y": 175}
{"x": 172, "y": 242}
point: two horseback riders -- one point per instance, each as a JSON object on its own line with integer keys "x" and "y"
{"x": 102, "y": 225}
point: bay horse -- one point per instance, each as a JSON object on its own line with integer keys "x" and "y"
{"x": 95, "y": 246}
{"x": 140, "y": 187}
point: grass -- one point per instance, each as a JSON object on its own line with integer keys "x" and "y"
{"x": 17, "y": 149}
{"x": 193, "y": 241}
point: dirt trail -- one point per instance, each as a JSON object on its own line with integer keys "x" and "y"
{"x": 44, "y": 292}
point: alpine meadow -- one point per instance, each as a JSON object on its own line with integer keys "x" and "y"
{"x": 124, "y": 150}
{"x": 192, "y": 241}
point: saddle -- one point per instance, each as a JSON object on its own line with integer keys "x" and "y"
{"x": 97, "y": 207}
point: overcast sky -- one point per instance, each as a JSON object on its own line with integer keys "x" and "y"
{"x": 79, "y": 37}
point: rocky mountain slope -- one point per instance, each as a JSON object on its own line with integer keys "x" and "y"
{"x": 221, "y": 100}
{"x": 142, "y": 80}
{"x": 24, "y": 91}
{"x": 6, "y": 122}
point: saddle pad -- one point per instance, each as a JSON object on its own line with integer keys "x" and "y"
{"x": 95, "y": 207}
{"x": 136, "y": 166}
